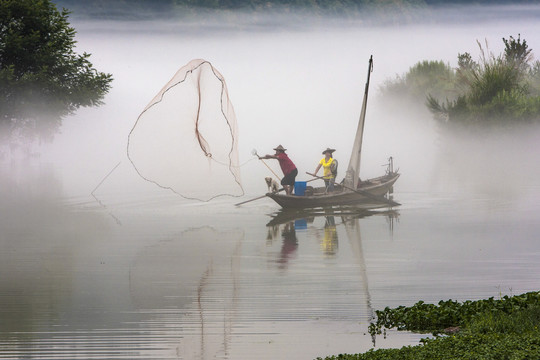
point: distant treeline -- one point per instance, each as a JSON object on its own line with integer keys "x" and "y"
{"x": 115, "y": 8}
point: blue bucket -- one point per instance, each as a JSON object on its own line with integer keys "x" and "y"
{"x": 300, "y": 224}
{"x": 300, "y": 188}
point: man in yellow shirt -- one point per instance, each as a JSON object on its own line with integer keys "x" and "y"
{"x": 329, "y": 165}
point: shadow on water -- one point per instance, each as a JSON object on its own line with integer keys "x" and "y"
{"x": 286, "y": 223}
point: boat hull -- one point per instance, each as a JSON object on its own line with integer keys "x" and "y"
{"x": 370, "y": 193}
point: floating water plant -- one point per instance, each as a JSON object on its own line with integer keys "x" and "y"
{"x": 505, "y": 328}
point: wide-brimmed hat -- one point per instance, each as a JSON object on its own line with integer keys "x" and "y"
{"x": 280, "y": 148}
{"x": 328, "y": 150}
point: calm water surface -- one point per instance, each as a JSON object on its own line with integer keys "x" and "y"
{"x": 161, "y": 278}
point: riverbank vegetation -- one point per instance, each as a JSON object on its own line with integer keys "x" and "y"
{"x": 495, "y": 90}
{"x": 505, "y": 328}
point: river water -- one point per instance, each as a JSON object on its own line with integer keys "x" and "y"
{"x": 159, "y": 278}
{"x": 96, "y": 263}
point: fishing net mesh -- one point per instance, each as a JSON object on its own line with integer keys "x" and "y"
{"x": 186, "y": 138}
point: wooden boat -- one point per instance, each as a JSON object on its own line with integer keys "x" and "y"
{"x": 351, "y": 191}
{"x": 370, "y": 193}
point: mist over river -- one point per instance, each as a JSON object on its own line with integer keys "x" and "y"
{"x": 97, "y": 263}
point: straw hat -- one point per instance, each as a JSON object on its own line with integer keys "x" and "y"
{"x": 328, "y": 150}
{"x": 280, "y": 148}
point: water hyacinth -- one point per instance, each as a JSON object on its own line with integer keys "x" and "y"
{"x": 505, "y": 328}
{"x": 422, "y": 317}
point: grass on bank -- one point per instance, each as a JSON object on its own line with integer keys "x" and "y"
{"x": 507, "y": 328}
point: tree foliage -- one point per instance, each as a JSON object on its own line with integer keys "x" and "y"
{"x": 337, "y": 5}
{"x": 331, "y": 5}
{"x": 42, "y": 79}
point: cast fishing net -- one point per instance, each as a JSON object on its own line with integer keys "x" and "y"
{"x": 186, "y": 138}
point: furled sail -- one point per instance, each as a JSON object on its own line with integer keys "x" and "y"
{"x": 353, "y": 170}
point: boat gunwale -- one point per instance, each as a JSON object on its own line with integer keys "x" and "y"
{"x": 346, "y": 197}
{"x": 392, "y": 178}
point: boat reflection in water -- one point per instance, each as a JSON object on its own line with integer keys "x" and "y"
{"x": 302, "y": 217}
{"x": 213, "y": 289}
{"x": 285, "y": 223}
{"x": 329, "y": 243}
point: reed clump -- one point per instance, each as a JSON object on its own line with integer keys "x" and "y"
{"x": 500, "y": 89}
{"x": 495, "y": 90}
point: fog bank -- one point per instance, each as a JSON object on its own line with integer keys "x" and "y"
{"x": 299, "y": 87}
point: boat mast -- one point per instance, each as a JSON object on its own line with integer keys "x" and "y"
{"x": 353, "y": 170}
